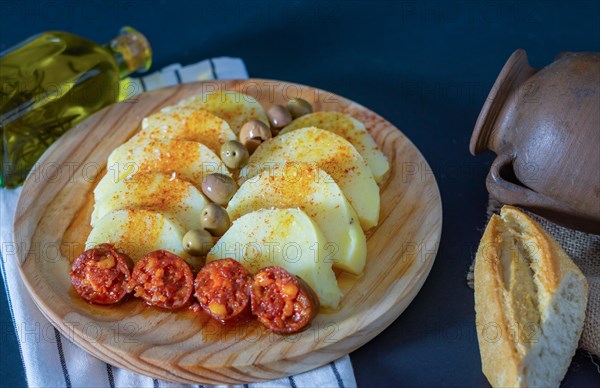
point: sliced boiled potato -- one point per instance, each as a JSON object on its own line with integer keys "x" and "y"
{"x": 233, "y": 107}
{"x": 178, "y": 158}
{"x": 154, "y": 191}
{"x": 138, "y": 232}
{"x": 284, "y": 237}
{"x": 350, "y": 129}
{"x": 329, "y": 152}
{"x": 187, "y": 123}
{"x": 312, "y": 190}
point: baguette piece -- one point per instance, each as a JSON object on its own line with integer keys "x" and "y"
{"x": 530, "y": 301}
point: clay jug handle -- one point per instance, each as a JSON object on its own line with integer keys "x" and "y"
{"x": 516, "y": 194}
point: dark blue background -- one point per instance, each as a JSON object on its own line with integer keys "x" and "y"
{"x": 425, "y": 66}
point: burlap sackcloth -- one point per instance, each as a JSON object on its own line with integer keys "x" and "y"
{"x": 584, "y": 249}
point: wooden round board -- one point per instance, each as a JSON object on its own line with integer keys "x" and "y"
{"x": 52, "y": 223}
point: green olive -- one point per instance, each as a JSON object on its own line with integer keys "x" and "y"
{"x": 253, "y": 133}
{"x": 219, "y": 188}
{"x": 198, "y": 242}
{"x": 299, "y": 107}
{"x": 234, "y": 154}
{"x": 279, "y": 116}
{"x": 215, "y": 219}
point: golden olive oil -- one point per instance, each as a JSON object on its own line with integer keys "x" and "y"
{"x": 53, "y": 81}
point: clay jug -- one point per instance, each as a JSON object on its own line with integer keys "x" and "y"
{"x": 544, "y": 125}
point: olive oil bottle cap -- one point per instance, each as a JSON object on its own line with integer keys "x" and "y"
{"x": 132, "y": 51}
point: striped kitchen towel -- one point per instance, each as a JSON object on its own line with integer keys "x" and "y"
{"x": 49, "y": 358}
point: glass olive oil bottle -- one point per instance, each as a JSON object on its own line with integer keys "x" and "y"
{"x": 53, "y": 81}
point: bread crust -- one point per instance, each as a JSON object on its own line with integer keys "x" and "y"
{"x": 519, "y": 269}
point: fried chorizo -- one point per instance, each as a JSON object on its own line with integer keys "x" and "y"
{"x": 223, "y": 289}
{"x": 281, "y": 301}
{"x": 101, "y": 275}
{"x": 162, "y": 279}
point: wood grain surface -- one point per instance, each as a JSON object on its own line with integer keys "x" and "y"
{"x": 51, "y": 225}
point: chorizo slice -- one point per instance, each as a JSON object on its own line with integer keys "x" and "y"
{"x": 284, "y": 303}
{"x": 162, "y": 279}
{"x": 101, "y": 275}
{"x": 223, "y": 289}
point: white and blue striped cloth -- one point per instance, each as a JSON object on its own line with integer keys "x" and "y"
{"x": 49, "y": 358}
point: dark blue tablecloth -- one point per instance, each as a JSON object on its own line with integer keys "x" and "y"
{"x": 425, "y": 66}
